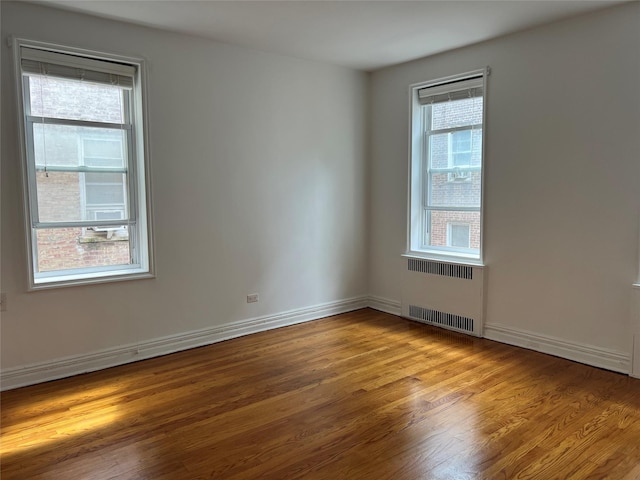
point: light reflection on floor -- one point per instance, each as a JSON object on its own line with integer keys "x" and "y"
{"x": 74, "y": 414}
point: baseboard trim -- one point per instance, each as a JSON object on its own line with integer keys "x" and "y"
{"x": 77, "y": 364}
{"x": 385, "y": 305}
{"x": 587, "y": 354}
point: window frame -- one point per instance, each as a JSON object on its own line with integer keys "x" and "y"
{"x": 417, "y": 215}
{"x": 139, "y": 202}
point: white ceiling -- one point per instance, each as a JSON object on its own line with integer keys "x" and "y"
{"x": 361, "y": 34}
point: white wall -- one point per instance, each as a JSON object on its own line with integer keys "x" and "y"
{"x": 258, "y": 168}
{"x": 562, "y": 176}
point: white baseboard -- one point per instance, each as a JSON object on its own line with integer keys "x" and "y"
{"x": 77, "y": 364}
{"x": 587, "y": 354}
{"x": 385, "y": 305}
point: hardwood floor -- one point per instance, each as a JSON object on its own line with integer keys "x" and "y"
{"x": 363, "y": 395}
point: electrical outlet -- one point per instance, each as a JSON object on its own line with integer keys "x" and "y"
{"x": 3, "y": 302}
{"x": 252, "y": 298}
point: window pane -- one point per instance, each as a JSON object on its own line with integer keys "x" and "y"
{"x": 59, "y": 197}
{"x": 97, "y": 194}
{"x": 104, "y": 188}
{"x": 461, "y": 145}
{"x": 75, "y": 100}
{"x": 439, "y": 150}
{"x": 456, "y": 113}
{"x": 104, "y": 152}
{"x": 460, "y": 154}
{"x": 457, "y": 189}
{"x": 70, "y": 146}
{"x": 461, "y": 148}
{"x": 108, "y": 215}
{"x": 439, "y": 225}
{"x": 72, "y": 196}
{"x": 70, "y": 248}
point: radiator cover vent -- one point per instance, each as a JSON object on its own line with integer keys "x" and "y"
{"x": 437, "y": 268}
{"x": 436, "y": 317}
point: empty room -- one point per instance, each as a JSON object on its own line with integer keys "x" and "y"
{"x": 320, "y": 240}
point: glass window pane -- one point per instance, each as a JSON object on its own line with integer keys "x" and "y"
{"x": 461, "y": 148}
{"x": 70, "y": 146}
{"x": 72, "y": 196}
{"x": 461, "y": 145}
{"x": 105, "y": 196}
{"x": 456, "y": 189}
{"x": 69, "y": 248}
{"x": 75, "y": 100}
{"x": 103, "y": 152}
{"x": 97, "y": 194}
{"x": 457, "y": 113}
{"x": 439, "y": 150}
{"x": 59, "y": 196}
{"x": 104, "y": 178}
{"x": 108, "y": 215}
{"x": 439, "y": 225}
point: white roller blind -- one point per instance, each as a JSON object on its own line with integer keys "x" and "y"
{"x": 468, "y": 88}
{"x": 44, "y": 62}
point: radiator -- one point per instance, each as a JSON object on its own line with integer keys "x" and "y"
{"x": 444, "y": 294}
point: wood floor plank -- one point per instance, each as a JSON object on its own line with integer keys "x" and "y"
{"x": 364, "y": 395}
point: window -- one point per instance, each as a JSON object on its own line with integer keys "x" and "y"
{"x": 446, "y": 168}
{"x": 86, "y": 179}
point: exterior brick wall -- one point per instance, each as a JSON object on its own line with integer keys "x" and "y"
{"x": 440, "y": 220}
{"x": 58, "y": 196}
{"x": 64, "y": 248}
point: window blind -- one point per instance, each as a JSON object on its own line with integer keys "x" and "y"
{"x": 468, "y": 88}
{"x": 42, "y": 62}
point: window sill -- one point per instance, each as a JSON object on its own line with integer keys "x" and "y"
{"x": 92, "y": 278}
{"x": 454, "y": 259}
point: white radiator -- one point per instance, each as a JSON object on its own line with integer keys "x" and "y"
{"x": 444, "y": 294}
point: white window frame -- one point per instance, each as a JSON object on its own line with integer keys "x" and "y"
{"x": 139, "y": 224}
{"x": 418, "y": 216}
